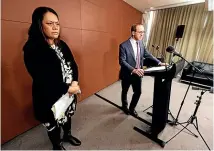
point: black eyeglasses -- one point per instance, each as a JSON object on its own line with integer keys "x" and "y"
{"x": 140, "y": 32}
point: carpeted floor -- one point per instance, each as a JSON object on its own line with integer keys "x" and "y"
{"x": 101, "y": 125}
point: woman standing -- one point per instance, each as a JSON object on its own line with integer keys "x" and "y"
{"x": 54, "y": 71}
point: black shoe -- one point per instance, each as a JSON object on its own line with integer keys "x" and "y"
{"x": 134, "y": 113}
{"x": 72, "y": 140}
{"x": 125, "y": 110}
{"x": 55, "y": 139}
{"x": 58, "y": 147}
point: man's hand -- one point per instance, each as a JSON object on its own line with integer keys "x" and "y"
{"x": 139, "y": 72}
{"x": 163, "y": 64}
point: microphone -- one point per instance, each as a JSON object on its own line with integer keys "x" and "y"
{"x": 157, "y": 48}
{"x": 171, "y": 49}
{"x": 197, "y": 88}
{"x": 153, "y": 46}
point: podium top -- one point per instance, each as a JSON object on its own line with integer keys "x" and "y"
{"x": 157, "y": 69}
{"x": 161, "y": 71}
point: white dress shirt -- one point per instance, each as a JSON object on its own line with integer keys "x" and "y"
{"x": 134, "y": 46}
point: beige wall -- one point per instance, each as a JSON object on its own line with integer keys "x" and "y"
{"x": 93, "y": 29}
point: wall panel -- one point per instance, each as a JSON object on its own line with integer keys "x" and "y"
{"x": 93, "y": 29}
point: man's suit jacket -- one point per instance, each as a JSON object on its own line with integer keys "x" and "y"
{"x": 127, "y": 59}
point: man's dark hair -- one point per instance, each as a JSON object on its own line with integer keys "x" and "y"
{"x": 133, "y": 28}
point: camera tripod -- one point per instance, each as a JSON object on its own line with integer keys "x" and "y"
{"x": 193, "y": 118}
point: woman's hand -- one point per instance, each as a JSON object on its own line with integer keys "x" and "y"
{"x": 74, "y": 83}
{"x": 73, "y": 89}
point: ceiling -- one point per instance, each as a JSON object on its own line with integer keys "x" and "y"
{"x": 146, "y": 5}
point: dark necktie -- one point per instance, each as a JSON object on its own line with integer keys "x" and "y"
{"x": 138, "y": 56}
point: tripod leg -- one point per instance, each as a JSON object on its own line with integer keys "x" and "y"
{"x": 170, "y": 113}
{"x": 177, "y": 133}
{"x": 173, "y": 122}
{"x": 147, "y": 108}
{"x": 196, "y": 120}
{"x": 184, "y": 122}
{"x": 182, "y": 103}
{"x": 188, "y": 129}
{"x": 201, "y": 137}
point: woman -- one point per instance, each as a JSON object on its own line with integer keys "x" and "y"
{"x": 54, "y": 71}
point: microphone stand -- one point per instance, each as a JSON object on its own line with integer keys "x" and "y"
{"x": 175, "y": 122}
{"x": 151, "y": 105}
{"x": 193, "y": 117}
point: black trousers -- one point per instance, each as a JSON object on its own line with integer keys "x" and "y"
{"x": 135, "y": 81}
{"x": 54, "y": 130}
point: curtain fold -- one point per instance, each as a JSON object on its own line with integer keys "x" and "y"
{"x": 197, "y": 40}
{"x": 205, "y": 52}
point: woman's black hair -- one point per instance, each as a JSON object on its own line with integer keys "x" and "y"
{"x": 35, "y": 31}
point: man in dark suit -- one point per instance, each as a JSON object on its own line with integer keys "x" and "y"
{"x": 131, "y": 56}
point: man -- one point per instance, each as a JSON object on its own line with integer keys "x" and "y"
{"x": 131, "y": 56}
